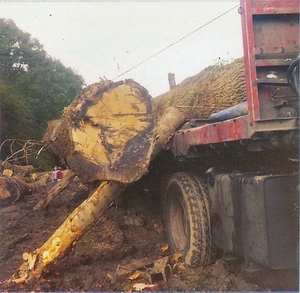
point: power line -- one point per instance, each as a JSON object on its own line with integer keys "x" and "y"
{"x": 164, "y": 49}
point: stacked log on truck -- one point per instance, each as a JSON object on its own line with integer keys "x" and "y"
{"x": 213, "y": 89}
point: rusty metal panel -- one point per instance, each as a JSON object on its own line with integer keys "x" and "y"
{"x": 271, "y": 42}
{"x": 274, "y": 6}
{"x": 249, "y": 60}
{"x": 276, "y": 34}
{"x": 225, "y": 131}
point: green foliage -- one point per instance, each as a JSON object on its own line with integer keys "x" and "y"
{"x": 44, "y": 162}
{"x": 34, "y": 88}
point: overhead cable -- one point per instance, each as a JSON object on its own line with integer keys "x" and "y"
{"x": 164, "y": 49}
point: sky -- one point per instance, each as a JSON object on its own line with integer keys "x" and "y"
{"x": 138, "y": 40}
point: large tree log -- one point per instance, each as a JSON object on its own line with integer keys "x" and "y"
{"x": 211, "y": 90}
{"x": 164, "y": 129}
{"x": 93, "y": 208}
{"x": 107, "y": 132}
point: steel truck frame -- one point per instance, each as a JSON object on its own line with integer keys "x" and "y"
{"x": 236, "y": 181}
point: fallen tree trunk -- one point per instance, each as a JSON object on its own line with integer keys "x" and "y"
{"x": 60, "y": 186}
{"x": 12, "y": 188}
{"x": 20, "y": 171}
{"x": 68, "y": 232}
{"x": 211, "y": 90}
{"x": 139, "y": 141}
{"x": 166, "y": 125}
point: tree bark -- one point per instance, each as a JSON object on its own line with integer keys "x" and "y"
{"x": 171, "y": 119}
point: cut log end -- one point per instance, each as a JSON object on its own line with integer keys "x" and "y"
{"x": 11, "y": 188}
{"x": 107, "y": 132}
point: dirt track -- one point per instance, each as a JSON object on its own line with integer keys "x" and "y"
{"x": 127, "y": 234}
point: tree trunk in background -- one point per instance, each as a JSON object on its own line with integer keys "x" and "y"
{"x": 12, "y": 188}
{"x": 213, "y": 89}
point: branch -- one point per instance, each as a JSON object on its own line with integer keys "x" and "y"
{"x": 20, "y": 149}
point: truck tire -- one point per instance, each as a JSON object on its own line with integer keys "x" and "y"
{"x": 186, "y": 218}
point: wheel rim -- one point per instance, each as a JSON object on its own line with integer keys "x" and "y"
{"x": 178, "y": 225}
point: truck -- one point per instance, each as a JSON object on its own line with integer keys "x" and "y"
{"x": 231, "y": 182}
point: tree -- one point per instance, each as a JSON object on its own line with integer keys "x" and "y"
{"x": 34, "y": 88}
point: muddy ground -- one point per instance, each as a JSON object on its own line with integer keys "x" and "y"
{"x": 129, "y": 238}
